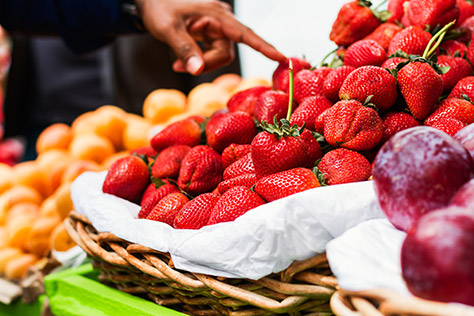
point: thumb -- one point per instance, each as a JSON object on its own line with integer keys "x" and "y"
{"x": 186, "y": 49}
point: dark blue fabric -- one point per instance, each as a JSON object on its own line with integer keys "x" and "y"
{"x": 84, "y": 24}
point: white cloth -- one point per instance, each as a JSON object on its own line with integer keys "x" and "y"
{"x": 264, "y": 240}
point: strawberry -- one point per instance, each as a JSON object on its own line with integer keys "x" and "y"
{"x": 195, "y": 214}
{"x": 396, "y": 7}
{"x": 201, "y": 170}
{"x": 464, "y": 86}
{"x": 127, "y": 178}
{"x": 246, "y": 180}
{"x": 420, "y": 86}
{"x": 467, "y": 27}
{"x": 453, "y": 48}
{"x": 448, "y": 125}
{"x": 393, "y": 62}
{"x": 234, "y": 203}
{"x": 344, "y": 166}
{"x": 271, "y": 103}
{"x": 168, "y": 207}
{"x": 393, "y": 122}
{"x": 184, "y": 132}
{"x": 280, "y": 75}
{"x": 458, "y": 69}
{"x": 351, "y": 125}
{"x": 470, "y": 50}
{"x": 168, "y": 162}
{"x": 466, "y": 10}
{"x": 234, "y": 152}
{"x": 144, "y": 151}
{"x": 153, "y": 194}
{"x": 432, "y": 12}
{"x": 365, "y": 52}
{"x": 370, "y": 80}
{"x": 242, "y": 166}
{"x": 309, "y": 110}
{"x": 319, "y": 122}
{"x": 245, "y": 100}
{"x": 354, "y": 21}
{"x": 455, "y": 108}
{"x": 334, "y": 81}
{"x": 234, "y": 127}
{"x": 384, "y": 34}
{"x": 412, "y": 40}
{"x": 310, "y": 83}
{"x": 285, "y": 183}
{"x": 282, "y": 148}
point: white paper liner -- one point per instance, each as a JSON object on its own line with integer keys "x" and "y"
{"x": 368, "y": 256}
{"x": 266, "y": 239}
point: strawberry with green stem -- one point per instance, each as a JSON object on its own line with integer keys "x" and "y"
{"x": 278, "y": 148}
{"x": 420, "y": 79}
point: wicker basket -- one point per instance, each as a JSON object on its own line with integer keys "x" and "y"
{"x": 304, "y": 288}
{"x": 381, "y": 302}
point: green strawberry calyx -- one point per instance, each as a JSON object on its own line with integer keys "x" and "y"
{"x": 285, "y": 129}
{"x": 428, "y": 56}
{"x": 319, "y": 175}
{"x": 383, "y": 15}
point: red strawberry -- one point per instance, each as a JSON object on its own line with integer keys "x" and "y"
{"x": 195, "y": 214}
{"x": 396, "y": 7}
{"x": 351, "y": 125}
{"x": 309, "y": 110}
{"x": 228, "y": 128}
{"x": 280, "y": 75}
{"x": 421, "y": 86}
{"x": 168, "y": 162}
{"x": 467, "y": 27}
{"x": 234, "y": 203}
{"x": 454, "y": 48}
{"x": 354, "y": 21}
{"x": 246, "y": 180}
{"x": 201, "y": 170}
{"x": 242, "y": 166}
{"x": 319, "y": 122}
{"x": 448, "y": 125}
{"x": 470, "y": 50}
{"x": 393, "y": 122}
{"x": 344, "y": 166}
{"x": 365, "y": 52}
{"x": 334, "y": 81}
{"x": 245, "y": 100}
{"x": 167, "y": 208}
{"x": 234, "y": 152}
{"x": 285, "y": 183}
{"x": 392, "y": 63}
{"x": 412, "y": 40}
{"x": 184, "y": 132}
{"x": 432, "y": 12}
{"x": 310, "y": 83}
{"x": 153, "y": 194}
{"x": 274, "y": 151}
{"x": 466, "y": 10}
{"x": 384, "y": 34}
{"x": 145, "y": 151}
{"x": 271, "y": 103}
{"x": 370, "y": 80}
{"x": 458, "y": 69}
{"x": 464, "y": 86}
{"x": 459, "y": 109}
{"x": 127, "y": 178}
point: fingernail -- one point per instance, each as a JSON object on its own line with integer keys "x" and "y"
{"x": 193, "y": 65}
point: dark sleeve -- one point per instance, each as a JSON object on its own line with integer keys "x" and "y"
{"x": 83, "y": 24}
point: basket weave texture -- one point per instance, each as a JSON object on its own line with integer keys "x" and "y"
{"x": 304, "y": 288}
{"x": 382, "y": 302}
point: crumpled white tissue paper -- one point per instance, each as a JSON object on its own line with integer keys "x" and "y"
{"x": 266, "y": 239}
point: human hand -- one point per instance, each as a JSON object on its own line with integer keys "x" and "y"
{"x": 183, "y": 23}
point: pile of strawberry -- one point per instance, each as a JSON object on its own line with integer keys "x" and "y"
{"x": 389, "y": 73}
